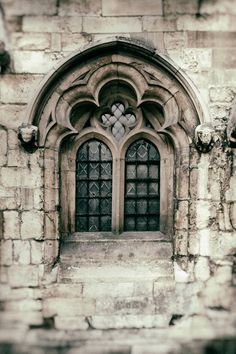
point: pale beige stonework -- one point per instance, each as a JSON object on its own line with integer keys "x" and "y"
{"x": 170, "y": 291}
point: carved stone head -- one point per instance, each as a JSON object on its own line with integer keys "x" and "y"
{"x": 28, "y": 136}
{"x": 204, "y": 137}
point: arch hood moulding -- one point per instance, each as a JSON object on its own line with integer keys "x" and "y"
{"x": 82, "y": 79}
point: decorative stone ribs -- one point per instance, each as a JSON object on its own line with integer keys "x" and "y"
{"x": 118, "y": 120}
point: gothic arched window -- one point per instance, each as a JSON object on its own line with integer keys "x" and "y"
{"x": 142, "y": 187}
{"x": 93, "y": 187}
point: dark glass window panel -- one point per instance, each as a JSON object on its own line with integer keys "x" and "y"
{"x": 105, "y": 170}
{"x": 93, "y": 206}
{"x": 82, "y": 189}
{"x": 142, "y": 171}
{"x": 141, "y": 189}
{"x": 105, "y": 189}
{"x": 82, "y": 170}
{"x": 142, "y": 206}
{"x": 129, "y": 223}
{"x": 93, "y": 187}
{"x": 94, "y": 170}
{"x": 106, "y": 206}
{"x": 153, "y": 223}
{"x": 153, "y": 206}
{"x": 93, "y": 223}
{"x": 141, "y": 222}
{"x": 105, "y": 223}
{"x": 131, "y": 171}
{"x": 81, "y": 223}
{"x": 130, "y": 189}
{"x": 82, "y": 206}
{"x": 153, "y": 188}
{"x": 130, "y": 207}
{"x": 142, "y": 184}
{"x": 153, "y": 171}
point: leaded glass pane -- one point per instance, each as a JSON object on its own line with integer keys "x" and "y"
{"x": 93, "y": 187}
{"x": 142, "y": 202}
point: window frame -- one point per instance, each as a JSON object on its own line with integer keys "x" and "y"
{"x": 68, "y": 178}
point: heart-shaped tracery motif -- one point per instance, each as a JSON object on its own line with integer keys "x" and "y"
{"x": 118, "y": 120}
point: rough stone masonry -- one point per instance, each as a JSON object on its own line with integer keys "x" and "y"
{"x": 166, "y": 291}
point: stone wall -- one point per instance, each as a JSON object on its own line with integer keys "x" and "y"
{"x": 199, "y": 36}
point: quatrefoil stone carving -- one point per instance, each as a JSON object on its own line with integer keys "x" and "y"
{"x": 118, "y": 120}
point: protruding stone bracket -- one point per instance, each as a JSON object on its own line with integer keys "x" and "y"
{"x": 205, "y": 137}
{"x": 28, "y": 136}
{"x": 5, "y": 59}
{"x": 231, "y": 128}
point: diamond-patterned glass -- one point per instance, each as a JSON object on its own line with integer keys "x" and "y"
{"x": 118, "y": 120}
{"x": 142, "y": 185}
{"x": 93, "y": 187}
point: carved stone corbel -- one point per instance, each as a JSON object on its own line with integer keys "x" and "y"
{"x": 28, "y": 136}
{"x": 231, "y": 128}
{"x": 205, "y": 137}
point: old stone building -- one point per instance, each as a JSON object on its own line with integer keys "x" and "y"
{"x": 117, "y": 176}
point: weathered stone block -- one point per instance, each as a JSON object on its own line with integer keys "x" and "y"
{"x": 56, "y": 42}
{"x": 35, "y": 62}
{"x": 3, "y": 147}
{"x": 129, "y": 321}
{"x": 71, "y": 323}
{"x": 130, "y": 8}
{"x": 214, "y": 295}
{"x": 21, "y": 252}
{"x": 51, "y": 225}
{"x": 181, "y": 242}
{"x": 204, "y": 236}
{"x": 37, "y": 252}
{"x": 111, "y": 24}
{"x": 192, "y": 60}
{"x": 31, "y": 7}
{"x": 23, "y": 305}
{"x": 63, "y": 291}
{"x": 7, "y": 293}
{"x": 23, "y": 275}
{"x": 187, "y": 298}
{"x": 51, "y": 251}
{"x": 202, "y": 269}
{"x": 30, "y": 41}
{"x": 18, "y": 88}
{"x": 32, "y": 225}
{"x": 181, "y": 216}
{"x": 124, "y": 306}
{"x": 79, "y": 8}
{"x": 68, "y": 307}
{"x": 222, "y": 244}
{"x": 203, "y": 214}
{"x": 175, "y": 40}
{"x": 224, "y": 59}
{"x": 12, "y": 318}
{"x": 11, "y": 116}
{"x": 73, "y": 41}
{"x": 6, "y": 252}
{"x": 11, "y": 224}
{"x": 205, "y": 39}
{"x": 192, "y": 23}
{"x": 222, "y": 94}
{"x": 158, "y": 24}
{"x": 52, "y": 24}
{"x": 223, "y": 274}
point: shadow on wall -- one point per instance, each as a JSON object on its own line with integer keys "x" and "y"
{"x": 215, "y": 346}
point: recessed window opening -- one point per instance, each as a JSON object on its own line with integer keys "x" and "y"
{"x": 142, "y": 187}
{"x": 93, "y": 187}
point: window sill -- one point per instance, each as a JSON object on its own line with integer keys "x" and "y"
{"x": 148, "y": 236}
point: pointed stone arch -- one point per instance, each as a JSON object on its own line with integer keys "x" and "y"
{"x": 69, "y": 102}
